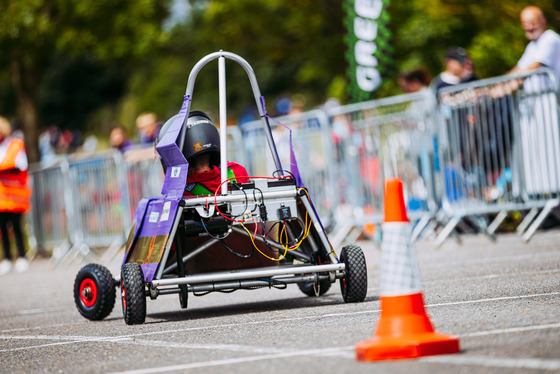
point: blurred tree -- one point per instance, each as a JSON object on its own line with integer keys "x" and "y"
{"x": 33, "y": 32}
{"x": 72, "y": 88}
{"x": 294, "y": 48}
{"x": 297, "y": 47}
{"x": 489, "y": 30}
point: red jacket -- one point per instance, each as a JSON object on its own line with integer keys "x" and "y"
{"x": 15, "y": 191}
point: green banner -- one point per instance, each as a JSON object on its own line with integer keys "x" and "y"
{"x": 368, "y": 48}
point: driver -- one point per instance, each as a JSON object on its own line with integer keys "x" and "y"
{"x": 201, "y": 148}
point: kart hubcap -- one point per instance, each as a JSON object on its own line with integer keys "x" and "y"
{"x": 88, "y": 292}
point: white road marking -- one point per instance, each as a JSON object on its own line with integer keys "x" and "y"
{"x": 511, "y": 363}
{"x": 84, "y": 339}
{"x": 489, "y": 260}
{"x": 511, "y": 330}
{"x": 42, "y": 327}
{"x": 232, "y": 361}
{"x": 64, "y": 340}
{"x": 481, "y": 277}
{"x": 494, "y": 299}
{"x": 347, "y": 352}
{"x": 30, "y": 311}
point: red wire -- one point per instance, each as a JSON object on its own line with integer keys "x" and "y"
{"x": 227, "y": 180}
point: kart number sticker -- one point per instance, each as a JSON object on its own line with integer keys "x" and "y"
{"x": 166, "y": 209}
{"x": 175, "y": 171}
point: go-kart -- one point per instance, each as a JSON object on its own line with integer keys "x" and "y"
{"x": 264, "y": 233}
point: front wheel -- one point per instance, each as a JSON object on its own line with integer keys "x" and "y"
{"x": 133, "y": 295}
{"x": 354, "y": 284}
{"x": 94, "y": 292}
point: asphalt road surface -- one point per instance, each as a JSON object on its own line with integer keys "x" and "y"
{"x": 501, "y": 299}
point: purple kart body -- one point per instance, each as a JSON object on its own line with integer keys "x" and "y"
{"x": 173, "y": 238}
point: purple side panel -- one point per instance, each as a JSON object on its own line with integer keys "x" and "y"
{"x": 167, "y": 146}
{"x": 294, "y": 169}
{"x": 149, "y": 271}
{"x": 293, "y": 164}
{"x": 175, "y": 180}
{"x": 157, "y": 219}
{"x": 155, "y": 216}
{"x": 177, "y": 166}
{"x": 137, "y": 221}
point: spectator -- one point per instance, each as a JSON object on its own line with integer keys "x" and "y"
{"x": 544, "y": 46}
{"x": 415, "y": 80}
{"x": 282, "y": 105}
{"x": 69, "y": 141}
{"x": 455, "y": 72}
{"x": 15, "y": 195}
{"x": 468, "y": 71}
{"x": 48, "y": 140}
{"x": 538, "y": 141}
{"x": 119, "y": 139}
{"x": 148, "y": 128}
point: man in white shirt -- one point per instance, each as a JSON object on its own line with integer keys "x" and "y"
{"x": 544, "y": 46}
{"x": 538, "y": 108}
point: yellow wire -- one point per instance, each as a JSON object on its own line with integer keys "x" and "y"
{"x": 307, "y": 228}
{"x": 283, "y": 233}
{"x": 332, "y": 249}
{"x": 257, "y": 248}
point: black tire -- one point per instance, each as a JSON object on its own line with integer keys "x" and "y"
{"x": 308, "y": 288}
{"x": 354, "y": 284}
{"x": 183, "y": 296}
{"x": 94, "y": 292}
{"x": 133, "y": 295}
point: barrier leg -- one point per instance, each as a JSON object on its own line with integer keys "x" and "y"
{"x": 497, "y": 221}
{"x": 420, "y": 226}
{"x": 527, "y": 220}
{"x": 551, "y": 204}
{"x": 453, "y": 222}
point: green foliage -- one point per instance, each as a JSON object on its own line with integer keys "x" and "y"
{"x": 106, "y": 29}
{"x": 298, "y": 48}
{"x": 115, "y": 55}
{"x": 294, "y": 48}
{"x": 74, "y": 88}
{"x": 35, "y": 34}
{"x": 490, "y": 31}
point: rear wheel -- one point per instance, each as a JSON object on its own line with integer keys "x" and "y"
{"x": 312, "y": 289}
{"x": 354, "y": 284}
{"x": 94, "y": 292}
{"x": 133, "y": 295}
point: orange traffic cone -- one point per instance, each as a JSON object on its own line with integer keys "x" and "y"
{"x": 404, "y": 329}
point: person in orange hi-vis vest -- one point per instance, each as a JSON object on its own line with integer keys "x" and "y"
{"x": 15, "y": 194}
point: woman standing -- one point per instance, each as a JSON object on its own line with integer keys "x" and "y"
{"x": 15, "y": 195}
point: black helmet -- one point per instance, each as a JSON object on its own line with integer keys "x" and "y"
{"x": 201, "y": 136}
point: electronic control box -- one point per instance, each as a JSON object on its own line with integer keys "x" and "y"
{"x": 265, "y": 200}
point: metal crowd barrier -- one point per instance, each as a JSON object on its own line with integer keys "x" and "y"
{"x": 483, "y": 149}
{"x": 312, "y": 146}
{"x": 48, "y": 228}
{"x": 82, "y": 202}
{"x": 500, "y": 150}
{"x": 380, "y": 139}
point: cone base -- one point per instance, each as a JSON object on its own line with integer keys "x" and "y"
{"x": 406, "y": 347}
